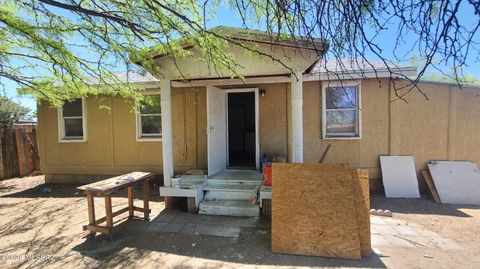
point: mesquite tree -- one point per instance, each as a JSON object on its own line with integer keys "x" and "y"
{"x": 54, "y": 49}
{"x": 12, "y": 112}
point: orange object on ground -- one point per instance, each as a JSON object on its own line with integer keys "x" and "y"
{"x": 267, "y": 174}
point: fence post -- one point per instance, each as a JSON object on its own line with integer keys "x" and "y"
{"x": 20, "y": 145}
{"x": 2, "y": 174}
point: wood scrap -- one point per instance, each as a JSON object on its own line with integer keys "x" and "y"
{"x": 431, "y": 186}
{"x": 324, "y": 154}
{"x": 409, "y": 240}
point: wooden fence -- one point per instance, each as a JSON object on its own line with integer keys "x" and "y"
{"x": 19, "y": 154}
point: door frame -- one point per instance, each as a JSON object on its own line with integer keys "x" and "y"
{"x": 257, "y": 123}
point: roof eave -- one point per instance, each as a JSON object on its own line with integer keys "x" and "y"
{"x": 359, "y": 74}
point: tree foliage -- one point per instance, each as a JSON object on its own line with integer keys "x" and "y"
{"x": 76, "y": 43}
{"x": 12, "y": 112}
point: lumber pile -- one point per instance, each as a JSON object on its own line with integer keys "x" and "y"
{"x": 320, "y": 210}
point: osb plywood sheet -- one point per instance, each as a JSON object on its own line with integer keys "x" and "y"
{"x": 362, "y": 209}
{"x": 313, "y": 211}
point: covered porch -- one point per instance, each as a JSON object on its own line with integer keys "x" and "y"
{"x": 233, "y": 114}
{"x": 227, "y": 186}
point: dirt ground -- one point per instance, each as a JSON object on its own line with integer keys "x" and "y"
{"x": 40, "y": 229}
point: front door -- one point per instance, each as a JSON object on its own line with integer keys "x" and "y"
{"x": 216, "y": 130}
{"x": 241, "y": 130}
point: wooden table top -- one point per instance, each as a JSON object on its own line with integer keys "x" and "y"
{"x": 111, "y": 185}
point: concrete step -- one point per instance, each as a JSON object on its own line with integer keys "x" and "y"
{"x": 195, "y": 172}
{"x": 230, "y": 187}
{"x": 228, "y": 195}
{"x": 234, "y": 181}
{"x": 238, "y": 208}
{"x": 193, "y": 177}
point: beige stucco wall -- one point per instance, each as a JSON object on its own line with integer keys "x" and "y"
{"x": 111, "y": 147}
{"x": 362, "y": 152}
{"x": 445, "y": 127}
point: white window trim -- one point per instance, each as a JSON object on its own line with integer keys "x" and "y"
{"x": 138, "y": 121}
{"x": 325, "y": 85}
{"x": 61, "y": 125}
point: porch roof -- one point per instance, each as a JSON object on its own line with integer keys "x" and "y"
{"x": 254, "y": 53}
{"x": 249, "y": 35}
{"x": 321, "y": 70}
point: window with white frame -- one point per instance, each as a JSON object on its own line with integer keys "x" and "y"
{"x": 341, "y": 110}
{"x": 149, "y": 118}
{"x": 72, "y": 120}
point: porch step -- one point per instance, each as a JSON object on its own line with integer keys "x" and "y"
{"x": 228, "y": 195}
{"x": 230, "y": 187}
{"x": 240, "y": 208}
{"x": 219, "y": 181}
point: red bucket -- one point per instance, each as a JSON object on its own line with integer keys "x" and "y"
{"x": 267, "y": 174}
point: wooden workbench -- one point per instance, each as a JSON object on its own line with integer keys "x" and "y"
{"x": 106, "y": 188}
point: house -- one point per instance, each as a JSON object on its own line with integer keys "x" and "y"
{"x": 204, "y": 119}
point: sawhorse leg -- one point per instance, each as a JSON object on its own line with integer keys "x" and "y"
{"x": 108, "y": 213}
{"x": 91, "y": 211}
{"x": 130, "y": 202}
{"x": 146, "y": 197}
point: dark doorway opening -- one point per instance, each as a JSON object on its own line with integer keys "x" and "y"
{"x": 241, "y": 130}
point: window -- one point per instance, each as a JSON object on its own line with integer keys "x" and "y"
{"x": 341, "y": 111}
{"x": 72, "y": 121}
{"x": 149, "y": 119}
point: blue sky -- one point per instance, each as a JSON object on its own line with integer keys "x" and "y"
{"x": 227, "y": 17}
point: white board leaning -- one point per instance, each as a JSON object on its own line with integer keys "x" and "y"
{"x": 457, "y": 182}
{"x": 399, "y": 177}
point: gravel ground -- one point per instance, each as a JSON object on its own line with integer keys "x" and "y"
{"x": 40, "y": 229}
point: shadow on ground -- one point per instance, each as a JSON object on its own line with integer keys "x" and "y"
{"x": 419, "y": 206}
{"x": 251, "y": 247}
{"x": 66, "y": 191}
{"x": 57, "y": 229}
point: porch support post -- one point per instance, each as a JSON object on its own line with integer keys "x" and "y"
{"x": 167, "y": 136}
{"x": 297, "y": 116}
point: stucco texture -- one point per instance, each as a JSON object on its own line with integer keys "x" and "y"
{"x": 444, "y": 127}
{"x": 112, "y": 147}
